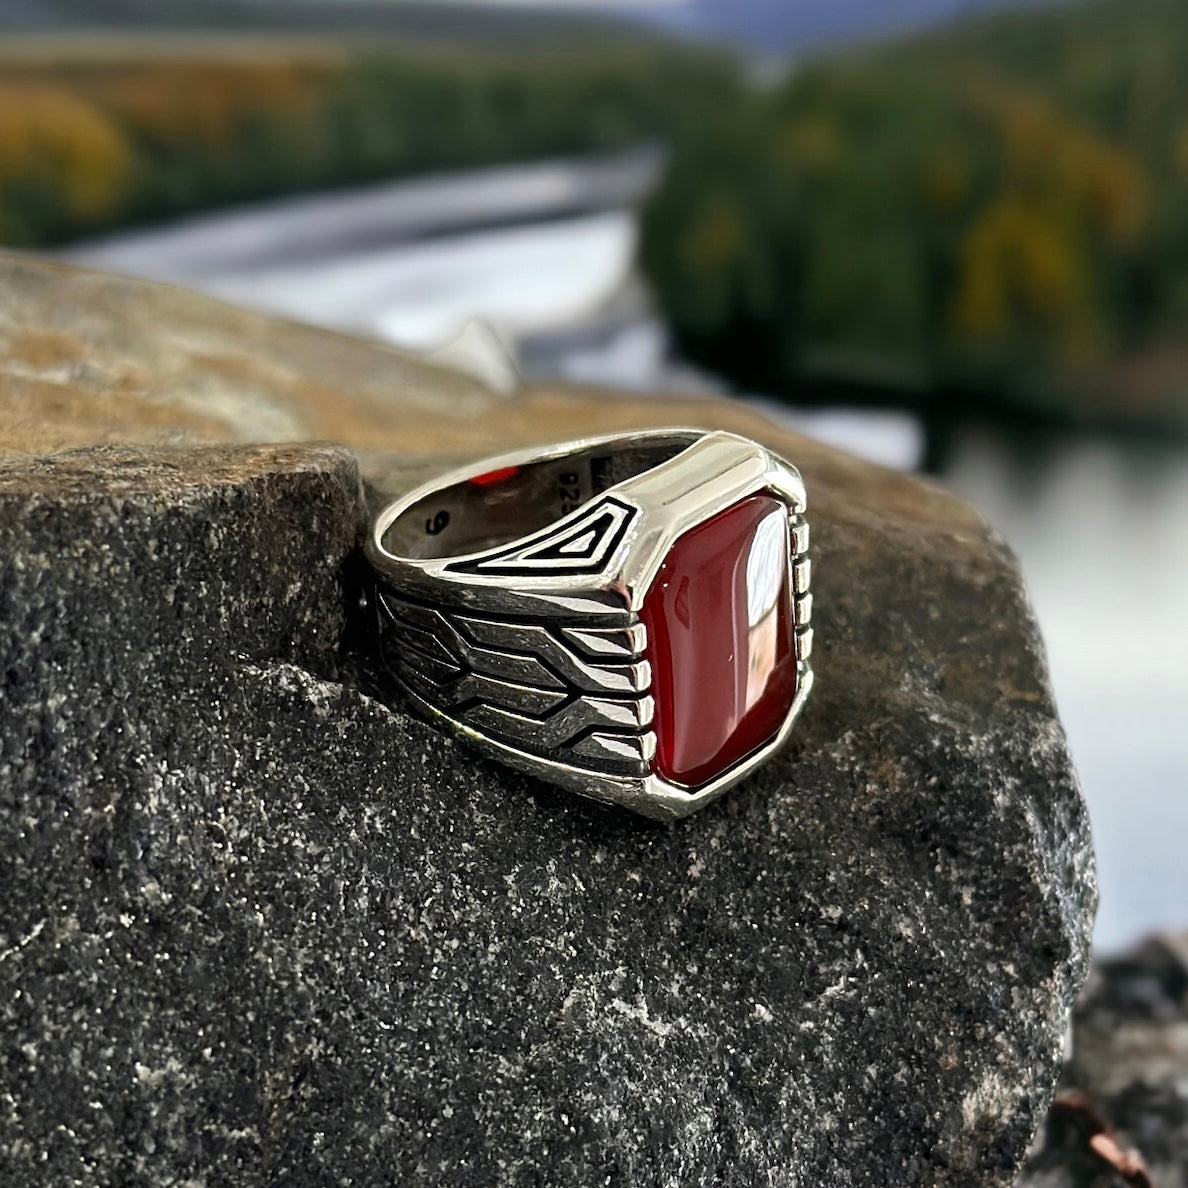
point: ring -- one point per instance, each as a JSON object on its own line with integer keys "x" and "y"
{"x": 626, "y": 617}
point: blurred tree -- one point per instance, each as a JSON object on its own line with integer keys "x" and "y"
{"x": 148, "y": 139}
{"x": 62, "y": 161}
{"x": 992, "y": 220}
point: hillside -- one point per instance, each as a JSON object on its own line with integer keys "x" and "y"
{"x": 991, "y": 219}
{"x": 409, "y": 21}
{"x": 96, "y": 134}
{"x": 798, "y": 26}
{"x": 765, "y": 26}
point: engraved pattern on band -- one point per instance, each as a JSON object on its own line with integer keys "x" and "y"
{"x": 532, "y": 648}
{"x": 580, "y": 543}
{"x": 568, "y": 691}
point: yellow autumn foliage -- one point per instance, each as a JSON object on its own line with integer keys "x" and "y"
{"x": 70, "y": 146}
{"x": 809, "y": 143}
{"x": 716, "y": 239}
{"x": 100, "y": 136}
{"x": 944, "y": 182}
{"x": 1018, "y": 264}
{"x": 200, "y": 103}
{"x": 1046, "y": 151}
{"x": 1025, "y": 266}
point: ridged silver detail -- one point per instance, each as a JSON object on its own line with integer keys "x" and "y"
{"x": 554, "y": 651}
{"x": 611, "y": 643}
{"x": 638, "y": 750}
{"x": 802, "y": 572}
{"x": 553, "y": 689}
{"x": 803, "y": 610}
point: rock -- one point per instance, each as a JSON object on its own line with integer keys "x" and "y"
{"x": 1127, "y": 1078}
{"x": 262, "y": 929}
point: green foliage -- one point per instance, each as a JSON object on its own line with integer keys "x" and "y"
{"x": 989, "y": 220}
{"x": 152, "y": 138}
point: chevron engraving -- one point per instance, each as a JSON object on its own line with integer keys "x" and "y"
{"x": 581, "y": 543}
{"x": 569, "y": 692}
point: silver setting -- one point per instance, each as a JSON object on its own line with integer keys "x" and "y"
{"x": 530, "y": 645}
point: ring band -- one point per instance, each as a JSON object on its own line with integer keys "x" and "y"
{"x": 627, "y": 617}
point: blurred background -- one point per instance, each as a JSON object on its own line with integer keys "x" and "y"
{"x": 949, "y": 235}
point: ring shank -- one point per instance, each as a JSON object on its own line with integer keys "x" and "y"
{"x": 510, "y": 600}
{"x": 488, "y": 508}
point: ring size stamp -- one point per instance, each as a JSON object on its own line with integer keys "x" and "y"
{"x": 627, "y": 617}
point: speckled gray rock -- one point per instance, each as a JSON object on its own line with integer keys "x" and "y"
{"x": 1127, "y": 1078}
{"x": 260, "y": 929}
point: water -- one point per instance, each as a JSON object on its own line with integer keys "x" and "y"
{"x": 529, "y": 249}
{"x": 1101, "y": 528}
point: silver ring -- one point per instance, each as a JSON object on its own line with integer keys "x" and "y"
{"x": 626, "y": 617}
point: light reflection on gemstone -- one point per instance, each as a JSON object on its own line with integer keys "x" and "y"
{"x": 720, "y": 640}
{"x": 767, "y": 571}
{"x": 767, "y": 565}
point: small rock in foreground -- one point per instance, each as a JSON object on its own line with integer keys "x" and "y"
{"x": 1121, "y": 1119}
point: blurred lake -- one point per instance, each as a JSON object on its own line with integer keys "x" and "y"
{"x": 1101, "y": 530}
{"x": 544, "y": 253}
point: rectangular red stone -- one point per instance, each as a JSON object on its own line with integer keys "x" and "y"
{"x": 721, "y": 641}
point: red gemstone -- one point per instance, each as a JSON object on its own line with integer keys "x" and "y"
{"x": 720, "y": 641}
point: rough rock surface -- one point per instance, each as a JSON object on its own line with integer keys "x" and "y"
{"x": 261, "y": 929}
{"x": 1127, "y": 1079}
